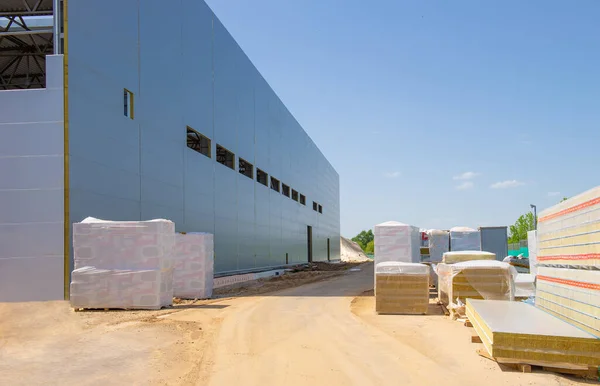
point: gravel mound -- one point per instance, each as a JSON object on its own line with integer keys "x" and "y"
{"x": 351, "y": 251}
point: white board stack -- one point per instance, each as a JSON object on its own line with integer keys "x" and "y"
{"x": 439, "y": 243}
{"x": 122, "y": 264}
{"x": 533, "y": 251}
{"x": 194, "y": 266}
{"x": 465, "y": 239}
{"x": 395, "y": 241}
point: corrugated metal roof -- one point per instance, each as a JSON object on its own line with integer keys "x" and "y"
{"x": 26, "y": 6}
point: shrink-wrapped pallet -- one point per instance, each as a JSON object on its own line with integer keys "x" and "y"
{"x": 532, "y": 245}
{"x": 480, "y": 279}
{"x": 522, "y": 333}
{"x": 193, "y": 273}
{"x": 568, "y": 234}
{"x": 461, "y": 256}
{"x": 395, "y": 241}
{"x": 465, "y": 239}
{"x": 122, "y": 264}
{"x": 401, "y": 288}
{"x": 439, "y": 243}
{"x": 571, "y": 294}
{"x": 524, "y": 286}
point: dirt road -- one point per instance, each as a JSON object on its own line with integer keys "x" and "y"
{"x": 317, "y": 334}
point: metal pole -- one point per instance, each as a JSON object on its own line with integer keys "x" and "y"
{"x": 56, "y": 27}
{"x": 534, "y": 216}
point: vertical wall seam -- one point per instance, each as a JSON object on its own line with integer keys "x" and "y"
{"x": 253, "y": 175}
{"x": 66, "y": 179}
{"x": 139, "y": 125}
{"x": 213, "y": 143}
{"x": 183, "y": 127}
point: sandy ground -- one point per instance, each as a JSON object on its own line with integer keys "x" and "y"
{"x": 323, "y": 333}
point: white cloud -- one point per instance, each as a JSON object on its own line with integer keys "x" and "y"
{"x": 392, "y": 174}
{"x": 465, "y": 185}
{"x": 466, "y": 176}
{"x": 507, "y": 184}
{"x": 553, "y": 194}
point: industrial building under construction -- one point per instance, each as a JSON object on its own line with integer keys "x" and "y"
{"x": 135, "y": 110}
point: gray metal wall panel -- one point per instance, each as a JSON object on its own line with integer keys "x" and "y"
{"x": 495, "y": 240}
{"x": 199, "y": 77}
{"x": 31, "y": 190}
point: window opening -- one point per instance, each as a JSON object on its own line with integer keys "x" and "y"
{"x": 225, "y": 157}
{"x": 198, "y": 142}
{"x": 246, "y": 168}
{"x": 262, "y": 177}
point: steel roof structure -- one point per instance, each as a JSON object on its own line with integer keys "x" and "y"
{"x": 26, "y": 37}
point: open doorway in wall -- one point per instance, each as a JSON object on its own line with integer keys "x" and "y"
{"x": 309, "y": 242}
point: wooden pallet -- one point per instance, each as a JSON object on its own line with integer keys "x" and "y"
{"x": 118, "y": 309}
{"x": 444, "y": 309}
{"x": 526, "y": 366}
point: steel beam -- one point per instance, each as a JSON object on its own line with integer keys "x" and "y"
{"x": 26, "y": 13}
{"x": 33, "y": 32}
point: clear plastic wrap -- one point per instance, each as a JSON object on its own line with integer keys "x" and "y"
{"x": 439, "y": 243}
{"x": 122, "y": 264}
{"x": 464, "y": 239}
{"x": 401, "y": 288}
{"x": 569, "y": 233}
{"x": 399, "y": 268}
{"x": 193, "y": 273}
{"x": 92, "y": 287}
{"x": 573, "y": 295}
{"x": 522, "y": 332}
{"x": 532, "y": 245}
{"x": 461, "y": 256}
{"x": 524, "y": 286}
{"x": 395, "y": 241}
{"x": 480, "y": 279}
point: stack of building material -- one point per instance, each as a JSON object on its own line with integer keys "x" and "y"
{"x": 524, "y": 286}
{"x": 568, "y": 261}
{"x": 122, "y": 264}
{"x": 532, "y": 245}
{"x": 519, "y": 331}
{"x": 401, "y": 288}
{"x": 461, "y": 256}
{"x": 439, "y": 243}
{"x": 432, "y": 274}
{"x": 395, "y": 241}
{"x": 481, "y": 279}
{"x": 571, "y": 294}
{"x": 464, "y": 239}
{"x": 193, "y": 273}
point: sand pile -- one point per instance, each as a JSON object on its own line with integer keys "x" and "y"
{"x": 351, "y": 251}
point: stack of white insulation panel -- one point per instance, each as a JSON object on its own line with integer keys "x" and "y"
{"x": 122, "y": 264}
{"x": 398, "y": 242}
{"x": 439, "y": 243}
{"x": 194, "y": 265}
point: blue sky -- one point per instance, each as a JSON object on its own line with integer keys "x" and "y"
{"x": 436, "y": 113}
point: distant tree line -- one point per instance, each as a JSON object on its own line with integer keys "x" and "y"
{"x": 525, "y": 223}
{"x": 366, "y": 241}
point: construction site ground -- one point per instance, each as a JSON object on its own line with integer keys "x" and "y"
{"x": 316, "y": 327}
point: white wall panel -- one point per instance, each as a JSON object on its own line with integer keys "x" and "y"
{"x": 32, "y": 190}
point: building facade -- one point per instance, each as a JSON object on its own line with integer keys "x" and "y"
{"x": 146, "y": 113}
